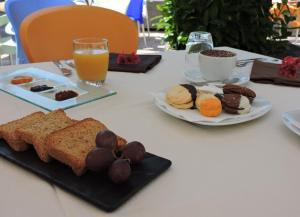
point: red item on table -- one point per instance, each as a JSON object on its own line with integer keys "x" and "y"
{"x": 132, "y": 58}
{"x": 289, "y": 67}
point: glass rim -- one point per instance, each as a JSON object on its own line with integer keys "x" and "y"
{"x": 93, "y": 40}
{"x": 202, "y": 32}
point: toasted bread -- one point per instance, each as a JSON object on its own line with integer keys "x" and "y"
{"x": 72, "y": 144}
{"x": 37, "y": 132}
{"x": 8, "y": 130}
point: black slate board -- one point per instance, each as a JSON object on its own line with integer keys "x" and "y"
{"x": 146, "y": 63}
{"x": 95, "y": 188}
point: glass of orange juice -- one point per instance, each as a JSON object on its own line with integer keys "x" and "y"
{"x": 91, "y": 58}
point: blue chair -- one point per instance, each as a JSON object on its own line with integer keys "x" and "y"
{"x": 135, "y": 12}
{"x": 17, "y": 10}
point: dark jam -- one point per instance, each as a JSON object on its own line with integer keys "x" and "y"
{"x": 64, "y": 95}
{"x": 40, "y": 88}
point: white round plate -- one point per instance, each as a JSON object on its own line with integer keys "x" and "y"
{"x": 196, "y": 77}
{"x": 292, "y": 121}
{"x": 260, "y": 107}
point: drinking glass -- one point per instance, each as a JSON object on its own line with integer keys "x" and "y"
{"x": 91, "y": 58}
{"x": 197, "y": 42}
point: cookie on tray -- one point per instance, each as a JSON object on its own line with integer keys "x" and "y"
{"x": 236, "y": 89}
{"x": 36, "y": 133}
{"x": 72, "y": 144}
{"x": 181, "y": 96}
{"x": 8, "y": 130}
{"x": 208, "y": 105}
{"x": 235, "y": 104}
{"x": 181, "y": 106}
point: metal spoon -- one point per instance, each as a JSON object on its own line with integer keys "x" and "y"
{"x": 226, "y": 81}
{"x": 65, "y": 71}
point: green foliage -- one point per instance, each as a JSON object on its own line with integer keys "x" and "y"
{"x": 243, "y": 24}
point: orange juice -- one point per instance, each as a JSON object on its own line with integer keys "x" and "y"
{"x": 91, "y": 65}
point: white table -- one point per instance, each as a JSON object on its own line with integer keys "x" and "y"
{"x": 249, "y": 170}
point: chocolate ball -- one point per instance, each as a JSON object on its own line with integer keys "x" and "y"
{"x": 119, "y": 171}
{"x": 134, "y": 151}
{"x": 106, "y": 139}
{"x": 99, "y": 159}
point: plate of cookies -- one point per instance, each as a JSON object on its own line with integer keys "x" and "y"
{"x": 210, "y": 105}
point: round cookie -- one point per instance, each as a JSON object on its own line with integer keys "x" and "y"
{"x": 209, "y": 105}
{"x": 181, "y": 96}
{"x": 236, "y": 89}
{"x": 178, "y": 95}
{"x": 183, "y": 106}
{"x": 192, "y": 89}
{"x": 235, "y": 104}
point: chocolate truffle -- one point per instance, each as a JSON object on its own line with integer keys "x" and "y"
{"x": 119, "y": 171}
{"x": 99, "y": 159}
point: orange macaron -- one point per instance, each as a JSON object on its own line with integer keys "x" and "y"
{"x": 209, "y": 105}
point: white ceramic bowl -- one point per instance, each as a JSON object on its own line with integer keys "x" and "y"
{"x": 216, "y": 68}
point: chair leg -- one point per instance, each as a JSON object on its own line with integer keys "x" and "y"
{"x": 148, "y": 27}
{"x": 139, "y": 27}
{"x": 144, "y": 35}
{"x": 147, "y": 18}
{"x": 11, "y": 59}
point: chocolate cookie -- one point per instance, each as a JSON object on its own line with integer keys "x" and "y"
{"x": 236, "y": 89}
{"x": 235, "y": 104}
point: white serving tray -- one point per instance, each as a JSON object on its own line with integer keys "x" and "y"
{"x": 46, "y": 99}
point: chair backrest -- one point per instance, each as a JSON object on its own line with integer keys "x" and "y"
{"x": 7, "y": 45}
{"x": 48, "y": 34}
{"x": 17, "y": 10}
{"x": 135, "y": 10}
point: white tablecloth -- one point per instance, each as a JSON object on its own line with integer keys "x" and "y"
{"x": 250, "y": 169}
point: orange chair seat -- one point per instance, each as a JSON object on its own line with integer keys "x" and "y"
{"x": 294, "y": 24}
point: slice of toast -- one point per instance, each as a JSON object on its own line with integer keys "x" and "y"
{"x": 8, "y": 130}
{"x": 36, "y": 133}
{"x": 72, "y": 144}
